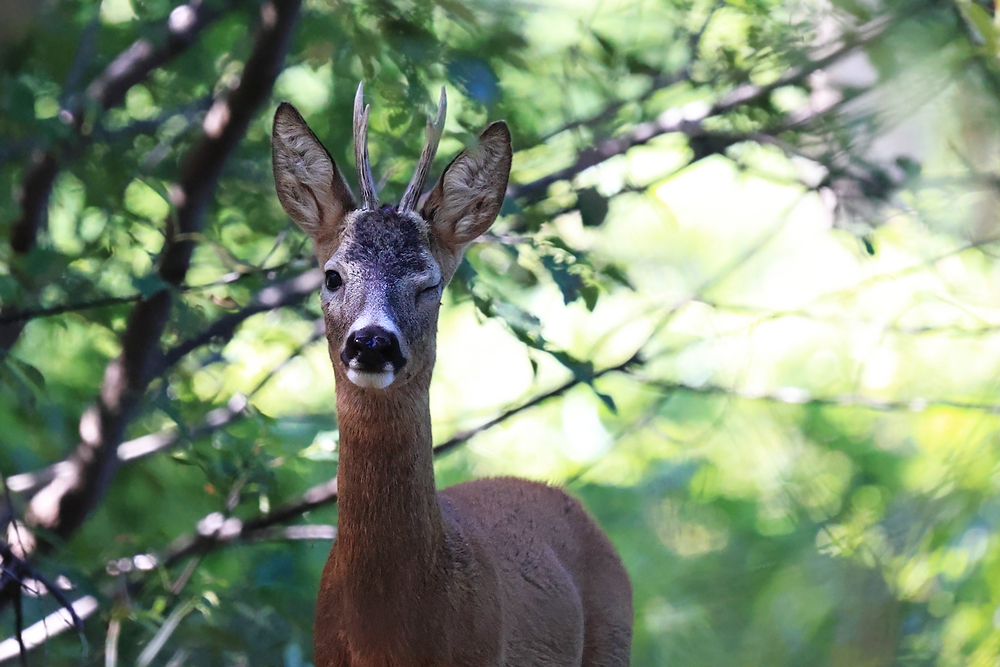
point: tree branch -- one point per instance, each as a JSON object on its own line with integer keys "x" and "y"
{"x": 760, "y": 314}
{"x": 137, "y": 62}
{"x": 12, "y": 316}
{"x": 286, "y": 293}
{"x": 802, "y": 396}
{"x": 27, "y": 484}
{"x": 688, "y": 119}
{"x": 661, "y": 81}
{"x": 224, "y": 126}
{"x": 131, "y": 66}
{"x": 62, "y": 505}
{"x": 34, "y": 200}
{"x": 54, "y": 624}
{"x": 463, "y": 437}
{"x": 216, "y": 530}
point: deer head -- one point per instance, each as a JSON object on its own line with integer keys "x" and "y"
{"x": 386, "y": 266}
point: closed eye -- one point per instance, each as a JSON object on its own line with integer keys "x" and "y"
{"x": 429, "y": 291}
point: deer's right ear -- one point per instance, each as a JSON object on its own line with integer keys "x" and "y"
{"x": 309, "y": 185}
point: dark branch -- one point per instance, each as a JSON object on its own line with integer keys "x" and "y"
{"x": 62, "y": 505}
{"x": 130, "y": 67}
{"x": 21, "y": 316}
{"x": 16, "y": 572}
{"x": 34, "y": 200}
{"x": 137, "y": 62}
{"x": 286, "y": 293}
{"x": 54, "y": 624}
{"x": 215, "y": 530}
{"x": 224, "y": 126}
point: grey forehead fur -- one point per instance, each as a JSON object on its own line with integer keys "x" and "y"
{"x": 392, "y": 241}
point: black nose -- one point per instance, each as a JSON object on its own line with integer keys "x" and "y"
{"x": 371, "y": 348}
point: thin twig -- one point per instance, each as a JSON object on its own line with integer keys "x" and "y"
{"x": 54, "y": 624}
{"x": 802, "y": 396}
{"x": 9, "y": 315}
{"x": 660, "y": 82}
{"x": 689, "y": 119}
{"x": 286, "y": 293}
{"x": 18, "y": 316}
{"x": 111, "y": 642}
{"x": 465, "y": 436}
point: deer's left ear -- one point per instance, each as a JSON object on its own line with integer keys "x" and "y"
{"x": 467, "y": 199}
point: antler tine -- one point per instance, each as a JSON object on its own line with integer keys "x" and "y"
{"x": 369, "y": 200}
{"x": 433, "y": 134}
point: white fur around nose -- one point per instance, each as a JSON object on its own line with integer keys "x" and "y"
{"x": 371, "y": 380}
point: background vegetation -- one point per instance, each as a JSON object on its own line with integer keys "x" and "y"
{"x": 743, "y": 299}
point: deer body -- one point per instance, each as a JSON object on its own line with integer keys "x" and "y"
{"x": 487, "y": 573}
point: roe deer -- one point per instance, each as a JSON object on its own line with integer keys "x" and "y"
{"x": 490, "y": 572}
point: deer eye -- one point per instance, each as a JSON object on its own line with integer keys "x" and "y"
{"x": 333, "y": 280}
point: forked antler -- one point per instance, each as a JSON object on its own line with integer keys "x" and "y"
{"x": 433, "y": 134}
{"x": 369, "y": 200}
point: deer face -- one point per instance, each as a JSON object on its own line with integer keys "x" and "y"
{"x": 381, "y": 297}
{"x": 386, "y": 266}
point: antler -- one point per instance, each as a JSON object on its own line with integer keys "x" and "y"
{"x": 433, "y": 133}
{"x": 368, "y": 198}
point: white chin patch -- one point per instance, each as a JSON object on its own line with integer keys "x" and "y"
{"x": 371, "y": 380}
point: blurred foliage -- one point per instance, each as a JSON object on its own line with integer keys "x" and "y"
{"x": 793, "y": 243}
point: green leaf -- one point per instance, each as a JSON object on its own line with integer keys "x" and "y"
{"x": 582, "y": 370}
{"x": 484, "y": 304}
{"x": 21, "y": 387}
{"x": 459, "y": 11}
{"x": 593, "y": 207}
{"x": 984, "y": 25}
{"x": 869, "y": 245}
{"x": 149, "y": 284}
{"x": 609, "y": 402}
{"x": 31, "y": 375}
{"x": 517, "y": 316}
{"x": 590, "y": 292}
{"x": 41, "y": 264}
{"x": 569, "y": 283}
{"x": 617, "y": 274}
{"x": 910, "y": 167}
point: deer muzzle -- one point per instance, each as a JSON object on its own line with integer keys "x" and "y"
{"x": 372, "y": 356}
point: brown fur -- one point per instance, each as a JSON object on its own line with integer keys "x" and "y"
{"x": 487, "y": 573}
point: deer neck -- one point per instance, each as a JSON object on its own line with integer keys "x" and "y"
{"x": 388, "y": 508}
